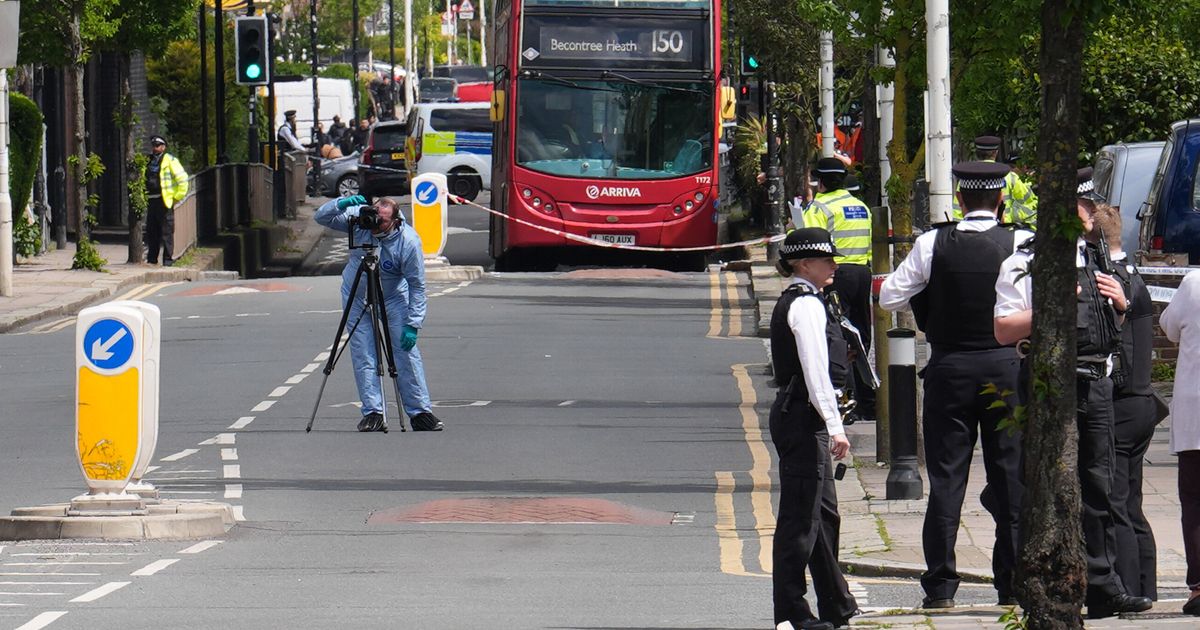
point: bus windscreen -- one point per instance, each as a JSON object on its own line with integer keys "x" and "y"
{"x": 614, "y": 130}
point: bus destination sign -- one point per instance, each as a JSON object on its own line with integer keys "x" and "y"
{"x": 669, "y": 44}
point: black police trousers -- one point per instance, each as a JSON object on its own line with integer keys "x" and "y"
{"x": 160, "y": 231}
{"x": 1137, "y": 556}
{"x": 807, "y": 528}
{"x": 853, "y": 284}
{"x": 1096, "y": 455}
{"x": 955, "y": 414}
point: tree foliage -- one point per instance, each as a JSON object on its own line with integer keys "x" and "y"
{"x": 46, "y": 29}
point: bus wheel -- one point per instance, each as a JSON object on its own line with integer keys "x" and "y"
{"x": 465, "y": 183}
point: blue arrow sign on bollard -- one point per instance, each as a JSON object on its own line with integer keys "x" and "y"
{"x": 108, "y": 344}
{"x": 426, "y": 192}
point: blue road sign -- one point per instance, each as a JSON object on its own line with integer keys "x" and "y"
{"x": 426, "y": 192}
{"x": 108, "y": 344}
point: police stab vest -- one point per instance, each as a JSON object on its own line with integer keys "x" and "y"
{"x": 1096, "y": 321}
{"x": 961, "y": 292}
{"x": 1137, "y": 336}
{"x": 785, "y": 358}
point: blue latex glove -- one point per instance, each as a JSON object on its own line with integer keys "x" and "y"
{"x": 408, "y": 338}
{"x": 352, "y": 200}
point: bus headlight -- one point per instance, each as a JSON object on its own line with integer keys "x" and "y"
{"x": 526, "y": 193}
{"x": 698, "y": 197}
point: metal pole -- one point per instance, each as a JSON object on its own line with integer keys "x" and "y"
{"x": 886, "y": 100}
{"x": 450, "y": 40}
{"x": 938, "y": 146}
{"x": 219, "y": 92}
{"x": 774, "y": 177}
{"x": 482, "y": 33}
{"x": 204, "y": 84}
{"x": 312, "y": 46}
{"x": 409, "y": 68}
{"x": 468, "y": 42}
{"x": 6, "y": 204}
{"x": 353, "y": 55}
{"x": 392, "y": 50}
{"x": 827, "y": 113}
{"x": 904, "y": 477}
{"x": 252, "y": 152}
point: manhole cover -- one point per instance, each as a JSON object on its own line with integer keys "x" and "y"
{"x": 542, "y": 510}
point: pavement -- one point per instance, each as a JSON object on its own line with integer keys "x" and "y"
{"x": 882, "y": 538}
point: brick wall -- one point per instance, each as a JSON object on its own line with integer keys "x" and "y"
{"x": 1165, "y": 351}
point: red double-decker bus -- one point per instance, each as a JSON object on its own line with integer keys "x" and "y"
{"x": 607, "y": 126}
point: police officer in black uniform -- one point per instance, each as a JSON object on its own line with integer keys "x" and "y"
{"x": 1101, "y": 303}
{"x": 809, "y": 355}
{"x": 1135, "y": 414}
{"x": 949, "y": 279}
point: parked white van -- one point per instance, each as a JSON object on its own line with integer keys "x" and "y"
{"x": 454, "y": 139}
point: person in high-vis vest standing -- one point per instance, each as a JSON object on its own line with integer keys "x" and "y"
{"x": 848, "y": 220}
{"x": 1018, "y": 203}
{"x": 166, "y": 185}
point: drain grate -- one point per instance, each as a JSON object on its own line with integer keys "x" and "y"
{"x": 536, "y": 510}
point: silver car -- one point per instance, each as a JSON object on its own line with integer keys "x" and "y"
{"x": 339, "y": 176}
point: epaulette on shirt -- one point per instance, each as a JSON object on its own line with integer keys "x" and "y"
{"x": 1027, "y": 246}
{"x": 942, "y": 224}
{"x": 1018, "y": 225}
{"x": 800, "y": 288}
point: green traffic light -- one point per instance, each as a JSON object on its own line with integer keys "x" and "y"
{"x": 752, "y": 62}
{"x": 253, "y": 71}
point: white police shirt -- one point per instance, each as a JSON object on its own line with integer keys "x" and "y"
{"x": 807, "y": 319}
{"x": 912, "y": 276}
{"x": 1014, "y": 285}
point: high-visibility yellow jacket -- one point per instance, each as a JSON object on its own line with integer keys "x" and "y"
{"x": 1020, "y": 202}
{"x": 173, "y": 179}
{"x": 847, "y": 219}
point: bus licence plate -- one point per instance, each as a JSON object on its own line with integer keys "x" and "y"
{"x": 397, "y": 156}
{"x": 619, "y": 239}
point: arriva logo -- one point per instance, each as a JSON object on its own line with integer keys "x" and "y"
{"x": 595, "y": 192}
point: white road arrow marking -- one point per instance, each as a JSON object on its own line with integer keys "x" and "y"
{"x": 100, "y": 351}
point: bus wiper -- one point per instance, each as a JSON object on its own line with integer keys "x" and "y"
{"x": 670, "y": 88}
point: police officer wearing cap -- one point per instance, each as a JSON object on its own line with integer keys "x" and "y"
{"x": 1101, "y": 304}
{"x": 808, "y": 353}
{"x": 949, "y": 280}
{"x": 1019, "y": 202}
{"x": 166, "y": 185}
{"x": 287, "y": 132}
{"x": 848, "y": 219}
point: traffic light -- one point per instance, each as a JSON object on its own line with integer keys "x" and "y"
{"x": 743, "y": 95}
{"x": 750, "y": 63}
{"x": 253, "y": 51}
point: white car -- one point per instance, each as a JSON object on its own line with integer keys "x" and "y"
{"x": 454, "y": 139}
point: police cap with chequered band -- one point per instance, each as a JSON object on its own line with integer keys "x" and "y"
{"x": 987, "y": 143}
{"x": 807, "y": 243}
{"x": 830, "y": 166}
{"x": 980, "y": 175}
{"x": 157, "y": 140}
{"x": 1085, "y": 187}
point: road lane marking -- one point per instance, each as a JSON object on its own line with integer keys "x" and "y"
{"x": 150, "y": 469}
{"x": 154, "y": 567}
{"x": 714, "y": 296}
{"x": 42, "y": 620}
{"x": 566, "y": 403}
{"x": 321, "y": 357}
{"x": 226, "y": 438}
{"x": 728, "y": 541}
{"x": 760, "y": 495}
{"x": 308, "y": 369}
{"x": 735, "y": 309}
{"x": 252, "y": 315}
{"x": 201, "y": 546}
{"x": 229, "y": 454}
{"x": 233, "y": 491}
{"x": 180, "y": 455}
{"x": 279, "y": 391}
{"x": 99, "y": 592}
{"x": 239, "y": 513}
{"x": 263, "y": 406}
{"x": 242, "y": 422}
{"x": 295, "y": 380}
{"x": 208, "y": 442}
{"x": 232, "y": 471}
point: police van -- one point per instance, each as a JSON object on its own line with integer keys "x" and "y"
{"x": 454, "y": 139}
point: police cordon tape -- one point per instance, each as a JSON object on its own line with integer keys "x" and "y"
{"x": 599, "y": 243}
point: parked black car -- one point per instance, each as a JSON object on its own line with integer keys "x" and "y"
{"x": 382, "y": 169}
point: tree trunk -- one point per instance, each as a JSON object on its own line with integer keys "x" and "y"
{"x": 1051, "y": 578}
{"x": 76, "y": 139}
{"x": 137, "y": 219}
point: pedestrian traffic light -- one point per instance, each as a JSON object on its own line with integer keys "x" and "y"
{"x": 253, "y": 51}
{"x": 750, "y": 63}
{"x": 743, "y": 95}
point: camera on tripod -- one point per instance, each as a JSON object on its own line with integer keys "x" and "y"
{"x": 368, "y": 218}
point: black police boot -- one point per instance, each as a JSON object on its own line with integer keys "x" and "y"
{"x": 426, "y": 421}
{"x": 1117, "y": 604}
{"x": 372, "y": 422}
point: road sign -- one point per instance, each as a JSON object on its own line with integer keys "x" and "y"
{"x": 466, "y": 10}
{"x": 116, "y": 396}
{"x": 447, "y": 24}
{"x": 429, "y": 211}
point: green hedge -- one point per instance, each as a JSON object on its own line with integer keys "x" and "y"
{"x": 26, "y": 148}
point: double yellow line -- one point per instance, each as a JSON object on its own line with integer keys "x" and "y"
{"x": 733, "y": 311}
{"x": 135, "y": 293}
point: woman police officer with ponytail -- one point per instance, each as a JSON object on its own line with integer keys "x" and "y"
{"x": 809, "y": 356}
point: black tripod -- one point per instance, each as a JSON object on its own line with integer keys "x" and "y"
{"x": 376, "y": 311}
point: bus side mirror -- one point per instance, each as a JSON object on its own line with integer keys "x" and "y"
{"x": 496, "y": 113}
{"x": 728, "y": 103}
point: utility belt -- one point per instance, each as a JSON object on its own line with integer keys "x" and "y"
{"x": 1091, "y": 368}
{"x": 790, "y": 393}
